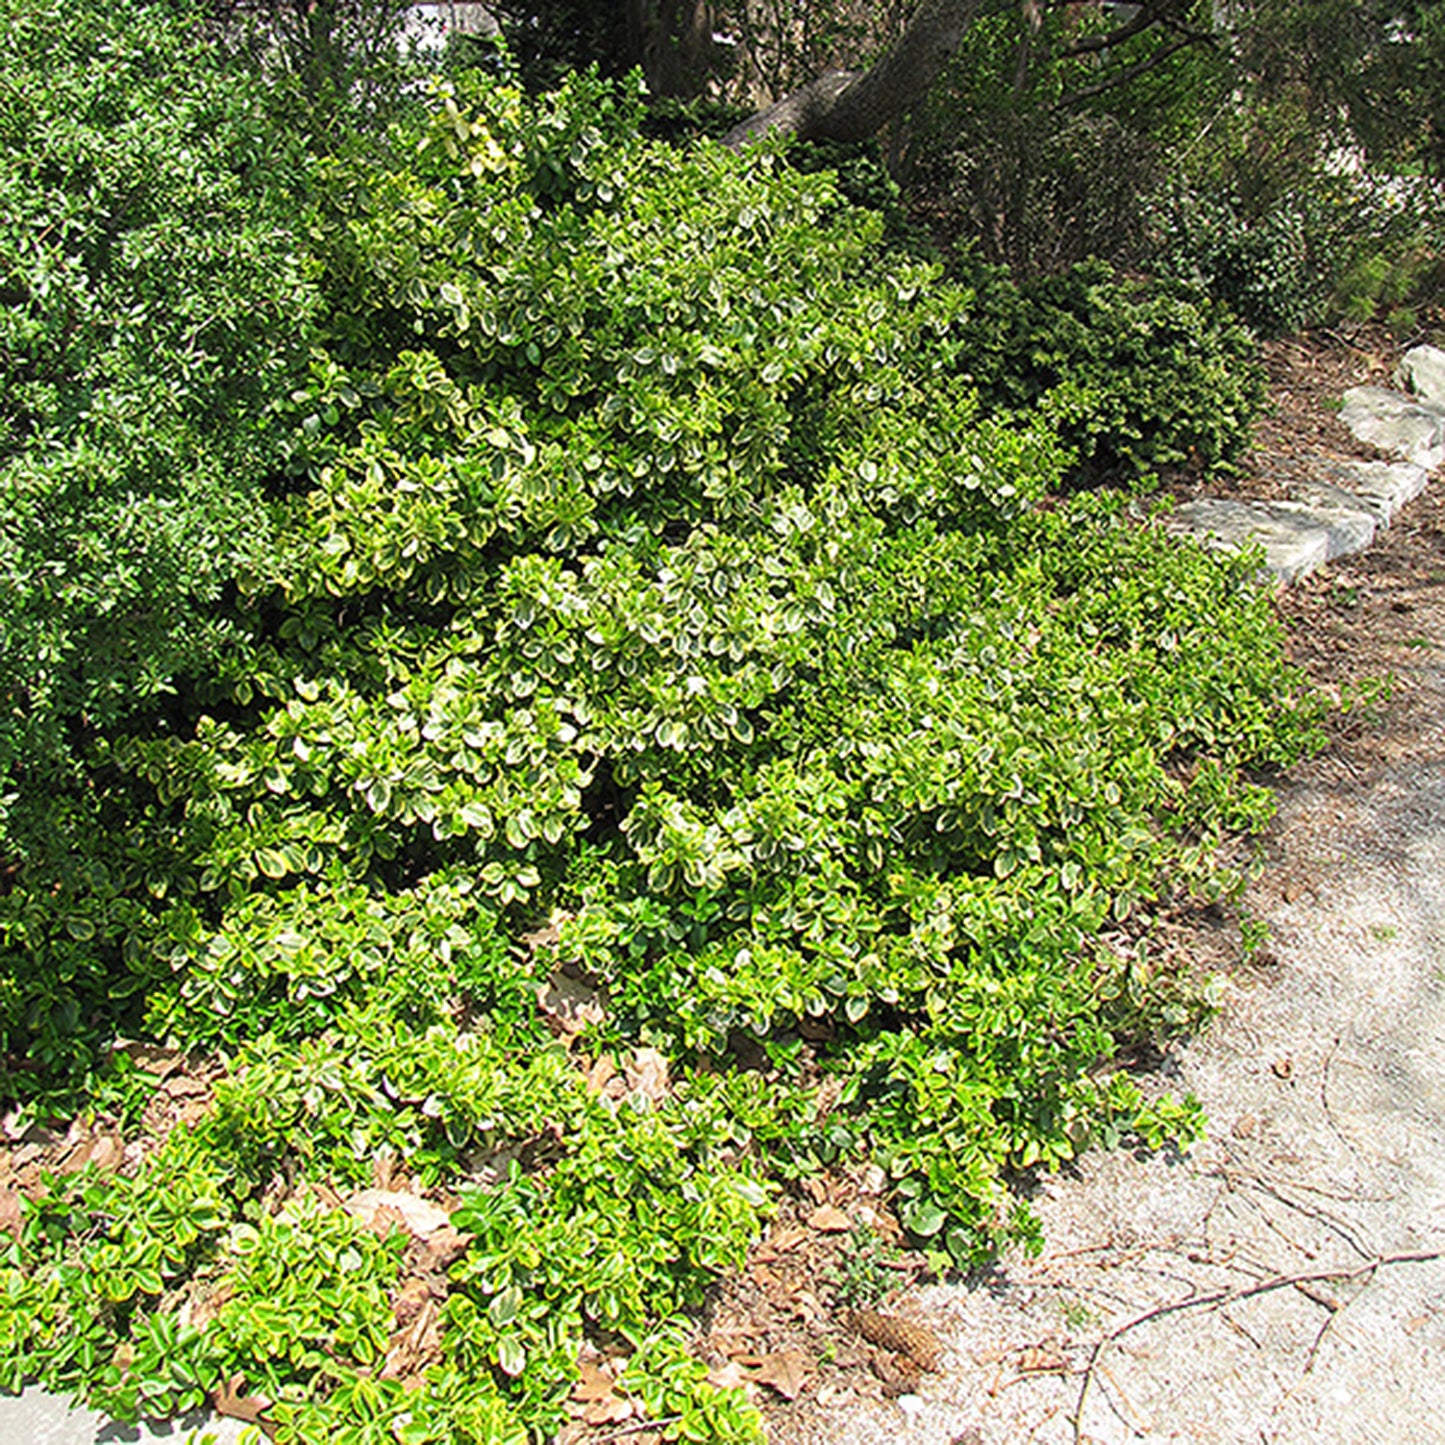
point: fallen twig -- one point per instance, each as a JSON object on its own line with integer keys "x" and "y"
{"x": 1343, "y": 340}
{"x": 1325, "y": 1101}
{"x": 1225, "y": 1297}
{"x": 635, "y": 1428}
{"x": 1246, "y": 1177}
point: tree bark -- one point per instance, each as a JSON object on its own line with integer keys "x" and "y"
{"x": 851, "y": 105}
{"x": 672, "y": 41}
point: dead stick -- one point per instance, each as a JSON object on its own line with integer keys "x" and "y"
{"x": 636, "y": 1428}
{"x": 1226, "y": 1297}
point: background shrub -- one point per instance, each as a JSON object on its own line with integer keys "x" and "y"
{"x": 1133, "y": 376}
{"x": 157, "y": 302}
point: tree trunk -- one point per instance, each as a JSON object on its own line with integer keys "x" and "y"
{"x": 849, "y": 105}
{"x": 672, "y": 41}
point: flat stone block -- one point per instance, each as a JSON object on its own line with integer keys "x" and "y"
{"x": 1348, "y": 529}
{"x": 39, "y": 1418}
{"x": 1383, "y": 487}
{"x": 1294, "y": 544}
{"x": 1327, "y": 496}
{"x": 1414, "y": 430}
{"x": 1422, "y": 369}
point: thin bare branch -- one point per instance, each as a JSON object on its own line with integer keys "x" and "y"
{"x": 1123, "y": 77}
{"x": 1223, "y": 1298}
{"x": 1091, "y": 43}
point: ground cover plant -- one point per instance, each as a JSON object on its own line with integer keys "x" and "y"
{"x": 671, "y": 740}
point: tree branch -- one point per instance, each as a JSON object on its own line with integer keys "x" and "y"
{"x": 849, "y": 105}
{"x": 800, "y": 112}
{"x": 1133, "y": 72}
{"x": 1090, "y": 43}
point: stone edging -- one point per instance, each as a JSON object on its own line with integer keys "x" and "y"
{"x": 1340, "y": 508}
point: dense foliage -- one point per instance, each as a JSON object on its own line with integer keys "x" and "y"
{"x": 598, "y": 566}
{"x": 1284, "y": 154}
{"x": 155, "y": 307}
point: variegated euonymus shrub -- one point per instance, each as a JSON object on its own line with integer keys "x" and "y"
{"x": 645, "y": 569}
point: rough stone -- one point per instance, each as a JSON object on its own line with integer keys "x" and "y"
{"x": 1414, "y": 430}
{"x": 1422, "y": 369}
{"x": 1347, "y": 529}
{"x": 1294, "y": 544}
{"x": 1327, "y": 496}
{"x": 1382, "y": 487}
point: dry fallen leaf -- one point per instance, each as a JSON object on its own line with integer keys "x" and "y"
{"x": 598, "y": 1076}
{"x": 152, "y": 1058}
{"x": 414, "y": 1346}
{"x": 38, "y": 1143}
{"x": 610, "y": 1411}
{"x": 230, "y": 1398}
{"x": 10, "y": 1212}
{"x": 547, "y": 937}
{"x": 99, "y": 1144}
{"x": 730, "y": 1376}
{"x": 829, "y": 1219}
{"x": 596, "y": 1391}
{"x": 780, "y": 1241}
{"x": 593, "y": 1383}
{"x": 785, "y": 1371}
{"x": 322, "y": 1193}
{"x": 647, "y": 1074}
{"x": 571, "y": 1004}
{"x": 385, "y": 1206}
{"x": 443, "y": 1248}
{"x": 205, "y": 1303}
{"x": 409, "y": 1301}
{"x": 900, "y": 1375}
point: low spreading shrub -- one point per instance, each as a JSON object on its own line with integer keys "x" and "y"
{"x": 658, "y": 609}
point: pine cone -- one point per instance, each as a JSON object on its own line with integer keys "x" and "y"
{"x": 917, "y": 1342}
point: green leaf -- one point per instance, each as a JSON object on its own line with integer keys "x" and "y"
{"x": 511, "y": 1355}
{"x": 272, "y": 862}
{"x": 923, "y": 1218}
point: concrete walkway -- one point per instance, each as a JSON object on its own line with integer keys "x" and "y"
{"x": 38, "y": 1418}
